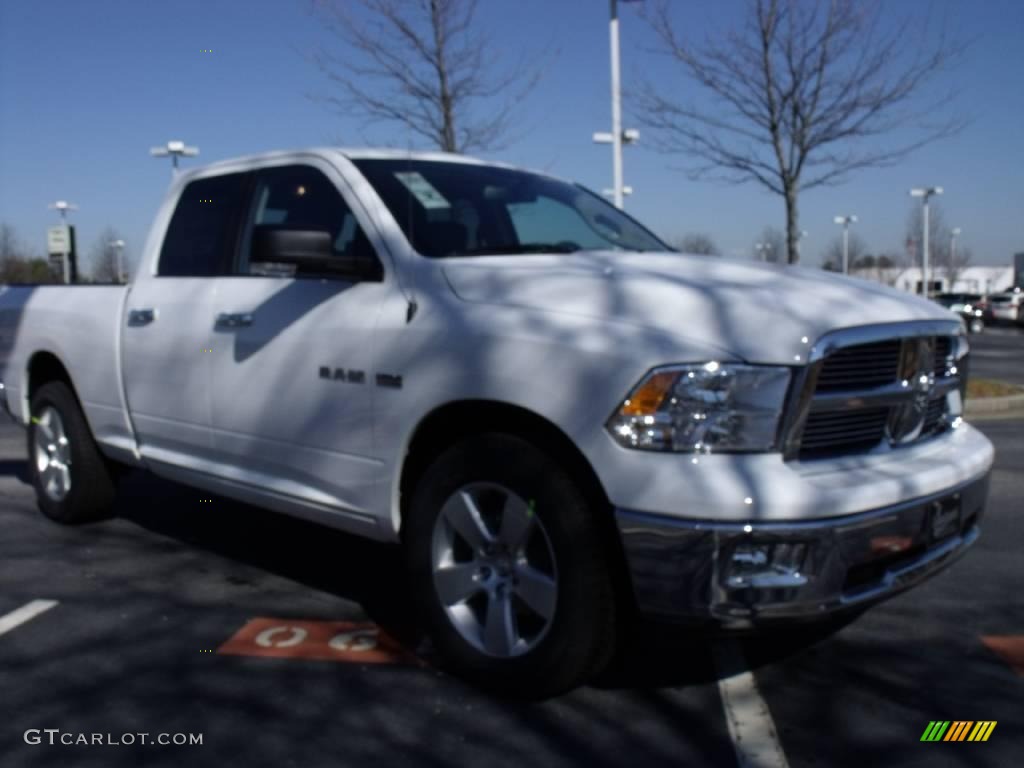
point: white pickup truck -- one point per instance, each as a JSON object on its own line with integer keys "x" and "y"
{"x": 560, "y": 419}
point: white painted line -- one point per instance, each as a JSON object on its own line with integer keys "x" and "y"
{"x": 750, "y": 723}
{"x": 27, "y": 612}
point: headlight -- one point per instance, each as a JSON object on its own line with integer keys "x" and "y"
{"x": 715, "y": 407}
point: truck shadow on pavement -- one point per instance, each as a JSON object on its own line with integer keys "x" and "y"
{"x": 651, "y": 654}
{"x": 352, "y": 568}
{"x": 16, "y": 468}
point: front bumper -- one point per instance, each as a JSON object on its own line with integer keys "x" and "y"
{"x": 743, "y": 574}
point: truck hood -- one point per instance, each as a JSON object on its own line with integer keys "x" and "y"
{"x": 760, "y": 313}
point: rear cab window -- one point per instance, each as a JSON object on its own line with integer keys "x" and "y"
{"x": 200, "y": 240}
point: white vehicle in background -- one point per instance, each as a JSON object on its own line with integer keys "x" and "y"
{"x": 1006, "y": 306}
{"x": 969, "y": 306}
{"x": 560, "y": 420}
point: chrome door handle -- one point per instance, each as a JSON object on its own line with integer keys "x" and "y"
{"x": 234, "y": 320}
{"x": 138, "y": 317}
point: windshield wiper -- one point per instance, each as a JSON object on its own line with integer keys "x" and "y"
{"x": 564, "y": 246}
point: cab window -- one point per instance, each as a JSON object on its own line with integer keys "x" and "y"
{"x": 201, "y": 236}
{"x": 300, "y": 198}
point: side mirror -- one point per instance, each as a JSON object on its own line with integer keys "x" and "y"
{"x": 310, "y": 251}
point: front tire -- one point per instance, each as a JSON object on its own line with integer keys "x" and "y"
{"x": 509, "y": 569}
{"x": 72, "y": 480}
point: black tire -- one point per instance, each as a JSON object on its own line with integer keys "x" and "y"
{"x": 579, "y": 639}
{"x": 91, "y": 493}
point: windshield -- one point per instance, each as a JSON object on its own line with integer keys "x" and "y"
{"x": 458, "y": 209}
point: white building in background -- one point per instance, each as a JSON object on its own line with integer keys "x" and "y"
{"x": 980, "y": 279}
{"x": 983, "y": 280}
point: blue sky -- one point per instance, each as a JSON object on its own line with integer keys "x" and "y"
{"x": 87, "y": 87}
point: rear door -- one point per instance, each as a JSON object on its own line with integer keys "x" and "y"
{"x": 168, "y": 337}
{"x": 293, "y": 352}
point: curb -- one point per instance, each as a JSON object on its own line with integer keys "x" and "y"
{"x": 994, "y": 404}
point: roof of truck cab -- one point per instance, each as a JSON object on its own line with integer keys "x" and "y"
{"x": 369, "y": 153}
{"x": 355, "y": 153}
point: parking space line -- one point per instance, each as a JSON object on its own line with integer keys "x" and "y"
{"x": 27, "y": 612}
{"x": 751, "y": 727}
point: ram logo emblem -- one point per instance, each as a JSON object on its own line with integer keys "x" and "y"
{"x": 342, "y": 374}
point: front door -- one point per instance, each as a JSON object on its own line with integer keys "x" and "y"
{"x": 293, "y": 353}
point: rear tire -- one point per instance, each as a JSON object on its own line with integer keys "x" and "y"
{"x": 510, "y": 573}
{"x": 72, "y": 480}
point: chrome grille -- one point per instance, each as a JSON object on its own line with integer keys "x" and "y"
{"x": 865, "y": 365}
{"x": 886, "y": 391}
{"x": 933, "y": 416}
{"x": 835, "y": 432}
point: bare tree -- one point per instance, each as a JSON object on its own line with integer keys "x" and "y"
{"x": 696, "y": 242}
{"x": 20, "y": 263}
{"x": 956, "y": 263}
{"x": 773, "y": 245}
{"x": 103, "y": 257}
{"x": 9, "y": 246}
{"x": 424, "y": 65}
{"x": 799, "y": 97}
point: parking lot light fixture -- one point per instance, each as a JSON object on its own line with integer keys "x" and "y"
{"x": 118, "y": 246}
{"x": 846, "y": 221}
{"x": 62, "y": 207}
{"x": 925, "y": 193}
{"x": 617, "y": 137}
{"x": 174, "y": 150}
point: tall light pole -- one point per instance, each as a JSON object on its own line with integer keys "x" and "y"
{"x": 118, "y": 246}
{"x": 846, "y": 221}
{"x": 925, "y": 193}
{"x": 174, "y": 149}
{"x": 62, "y": 207}
{"x": 617, "y": 136}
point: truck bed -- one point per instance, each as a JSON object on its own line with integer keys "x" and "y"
{"x": 80, "y": 326}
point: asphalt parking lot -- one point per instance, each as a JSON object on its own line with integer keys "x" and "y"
{"x": 140, "y": 605}
{"x": 998, "y": 353}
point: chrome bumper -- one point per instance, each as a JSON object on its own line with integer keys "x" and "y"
{"x": 741, "y": 575}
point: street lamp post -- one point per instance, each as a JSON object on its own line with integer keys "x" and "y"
{"x": 118, "y": 246}
{"x": 925, "y": 193}
{"x": 62, "y": 207}
{"x": 617, "y": 137}
{"x": 846, "y": 221}
{"x": 174, "y": 150}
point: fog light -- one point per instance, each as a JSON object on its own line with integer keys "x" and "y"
{"x": 766, "y": 565}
